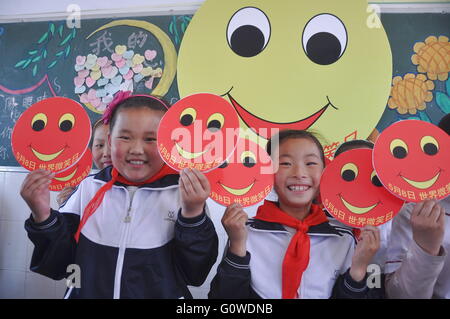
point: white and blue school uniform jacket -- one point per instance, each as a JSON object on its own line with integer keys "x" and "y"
{"x": 139, "y": 247}
{"x": 258, "y": 274}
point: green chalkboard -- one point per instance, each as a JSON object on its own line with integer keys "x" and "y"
{"x": 407, "y": 33}
{"x": 38, "y": 59}
{"x": 45, "y": 59}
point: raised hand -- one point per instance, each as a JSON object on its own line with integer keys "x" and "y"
{"x": 367, "y": 247}
{"x": 234, "y": 220}
{"x": 36, "y": 194}
{"x": 194, "y": 190}
{"x": 428, "y": 226}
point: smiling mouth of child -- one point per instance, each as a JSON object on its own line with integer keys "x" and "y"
{"x": 136, "y": 162}
{"x": 298, "y": 188}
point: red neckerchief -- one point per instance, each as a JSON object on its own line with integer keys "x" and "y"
{"x": 95, "y": 202}
{"x": 296, "y": 258}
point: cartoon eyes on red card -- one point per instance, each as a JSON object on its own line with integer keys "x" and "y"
{"x": 245, "y": 178}
{"x": 349, "y": 173}
{"x": 411, "y": 158}
{"x": 52, "y": 134}
{"x": 199, "y": 131}
{"x": 352, "y": 193}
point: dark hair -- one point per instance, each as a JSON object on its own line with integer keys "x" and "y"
{"x": 444, "y": 123}
{"x": 350, "y": 145}
{"x": 138, "y": 101}
{"x": 277, "y": 139}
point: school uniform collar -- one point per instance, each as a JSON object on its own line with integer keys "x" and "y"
{"x": 105, "y": 176}
{"x": 324, "y": 229}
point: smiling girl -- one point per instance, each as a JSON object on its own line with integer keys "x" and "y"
{"x": 136, "y": 229}
{"x": 289, "y": 250}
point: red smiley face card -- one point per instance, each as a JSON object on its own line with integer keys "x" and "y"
{"x": 412, "y": 159}
{"x": 52, "y": 134}
{"x": 199, "y": 131}
{"x": 245, "y": 178}
{"x": 74, "y": 175}
{"x": 352, "y": 193}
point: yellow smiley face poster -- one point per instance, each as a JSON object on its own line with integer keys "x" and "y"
{"x": 321, "y": 65}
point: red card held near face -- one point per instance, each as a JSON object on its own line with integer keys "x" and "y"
{"x": 352, "y": 193}
{"x": 52, "y": 134}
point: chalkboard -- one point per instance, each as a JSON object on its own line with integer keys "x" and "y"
{"x": 43, "y": 59}
{"x": 407, "y": 33}
{"x": 38, "y": 61}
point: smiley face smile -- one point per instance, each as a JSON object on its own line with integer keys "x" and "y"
{"x": 68, "y": 177}
{"x": 256, "y": 123}
{"x": 355, "y": 209}
{"x": 423, "y": 184}
{"x": 188, "y": 155}
{"x": 238, "y": 191}
{"x": 46, "y": 157}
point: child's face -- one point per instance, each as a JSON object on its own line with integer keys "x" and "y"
{"x": 101, "y": 153}
{"x": 298, "y": 176}
{"x": 134, "y": 150}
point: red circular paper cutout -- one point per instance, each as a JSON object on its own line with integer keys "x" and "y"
{"x": 245, "y": 178}
{"x": 199, "y": 131}
{"x": 351, "y": 192}
{"x": 412, "y": 158}
{"x": 52, "y": 134}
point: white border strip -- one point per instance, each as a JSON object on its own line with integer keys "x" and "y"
{"x": 108, "y": 13}
{"x": 431, "y": 7}
{"x": 13, "y": 169}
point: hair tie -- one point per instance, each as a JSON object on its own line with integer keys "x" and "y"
{"x": 118, "y": 99}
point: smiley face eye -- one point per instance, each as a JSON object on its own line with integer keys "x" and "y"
{"x": 349, "y": 172}
{"x": 66, "y": 122}
{"x": 375, "y": 180}
{"x": 188, "y": 116}
{"x": 399, "y": 149}
{"x": 39, "y": 122}
{"x": 429, "y": 145}
{"x": 248, "y": 32}
{"x": 324, "y": 39}
{"x": 215, "y": 122}
{"x": 248, "y": 159}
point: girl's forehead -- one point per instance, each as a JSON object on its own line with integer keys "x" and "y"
{"x": 140, "y": 112}
{"x": 299, "y": 144}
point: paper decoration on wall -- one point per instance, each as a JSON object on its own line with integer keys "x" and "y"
{"x": 199, "y": 131}
{"x": 411, "y": 158}
{"x": 352, "y": 193}
{"x": 100, "y": 77}
{"x": 52, "y": 134}
{"x": 245, "y": 178}
{"x": 293, "y": 65}
{"x": 74, "y": 175}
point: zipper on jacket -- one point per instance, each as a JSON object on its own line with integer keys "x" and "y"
{"x": 122, "y": 247}
{"x": 127, "y": 218}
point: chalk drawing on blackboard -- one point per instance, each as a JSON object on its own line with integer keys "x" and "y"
{"x": 102, "y": 77}
{"x": 178, "y": 22}
{"x": 123, "y": 67}
{"x": 53, "y": 45}
{"x": 13, "y": 102}
{"x": 433, "y": 57}
{"x": 411, "y": 93}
